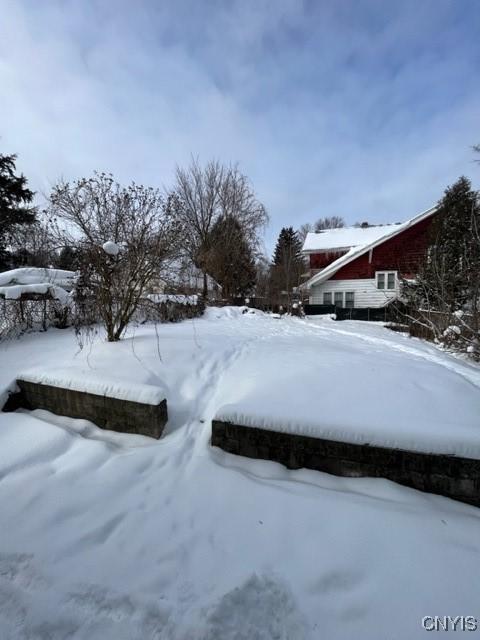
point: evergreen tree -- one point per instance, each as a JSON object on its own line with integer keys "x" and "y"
{"x": 445, "y": 297}
{"x": 288, "y": 247}
{"x": 15, "y": 199}
{"x": 452, "y": 265}
{"x": 230, "y": 260}
{"x": 70, "y": 259}
{"x": 288, "y": 262}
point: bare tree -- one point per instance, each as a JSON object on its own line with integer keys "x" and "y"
{"x": 238, "y": 201}
{"x": 208, "y": 194}
{"x": 32, "y": 245}
{"x": 124, "y": 235}
{"x": 303, "y": 230}
{"x": 329, "y": 222}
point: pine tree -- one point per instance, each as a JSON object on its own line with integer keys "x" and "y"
{"x": 288, "y": 248}
{"x": 452, "y": 266}
{"x": 69, "y": 259}
{"x": 445, "y": 297}
{"x": 288, "y": 263}
{"x": 230, "y": 260}
{"x": 15, "y": 199}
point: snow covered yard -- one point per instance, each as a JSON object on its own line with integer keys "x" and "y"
{"x": 122, "y": 537}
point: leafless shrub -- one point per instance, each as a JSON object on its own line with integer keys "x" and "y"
{"x": 35, "y": 313}
{"x": 124, "y": 235}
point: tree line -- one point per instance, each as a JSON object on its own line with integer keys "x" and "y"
{"x": 124, "y": 239}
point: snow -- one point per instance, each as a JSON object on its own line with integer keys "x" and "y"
{"x": 159, "y": 298}
{"x": 110, "y": 247}
{"x": 100, "y": 383}
{"x": 14, "y": 292}
{"x": 346, "y": 237}
{"x": 452, "y": 329}
{"x": 345, "y": 395}
{"x": 106, "y": 536}
{"x": 37, "y": 276}
{"x": 28, "y": 280}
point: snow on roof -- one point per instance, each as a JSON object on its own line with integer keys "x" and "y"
{"x": 345, "y": 238}
{"x": 37, "y": 275}
{"x": 355, "y": 252}
{"x": 15, "y": 291}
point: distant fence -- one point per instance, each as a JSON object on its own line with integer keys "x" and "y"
{"x": 318, "y": 309}
{"x": 369, "y": 314}
{"x": 32, "y": 312}
{"x": 372, "y": 314}
{"x": 169, "y": 308}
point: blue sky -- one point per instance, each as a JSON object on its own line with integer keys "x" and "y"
{"x": 360, "y": 108}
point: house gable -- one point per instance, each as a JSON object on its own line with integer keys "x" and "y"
{"x": 402, "y": 253}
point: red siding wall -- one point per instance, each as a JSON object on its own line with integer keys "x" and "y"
{"x": 322, "y": 260}
{"x": 402, "y": 253}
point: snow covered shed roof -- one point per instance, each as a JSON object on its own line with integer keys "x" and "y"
{"x": 345, "y": 238}
{"x": 36, "y": 281}
{"x": 37, "y": 276}
{"x": 357, "y": 251}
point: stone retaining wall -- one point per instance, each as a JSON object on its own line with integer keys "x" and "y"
{"x": 451, "y": 476}
{"x": 106, "y": 412}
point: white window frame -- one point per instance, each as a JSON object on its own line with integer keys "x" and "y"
{"x": 385, "y": 275}
{"x": 327, "y": 293}
{"x": 335, "y": 295}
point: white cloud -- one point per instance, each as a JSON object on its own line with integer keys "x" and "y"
{"x": 329, "y": 111}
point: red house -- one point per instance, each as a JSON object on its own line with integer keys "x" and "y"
{"x": 363, "y": 266}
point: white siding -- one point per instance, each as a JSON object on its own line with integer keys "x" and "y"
{"x": 366, "y": 292}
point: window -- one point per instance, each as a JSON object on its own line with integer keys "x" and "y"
{"x": 339, "y": 298}
{"x": 349, "y": 299}
{"x": 386, "y": 279}
{"x": 327, "y": 298}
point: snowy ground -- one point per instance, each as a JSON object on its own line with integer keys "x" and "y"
{"x": 108, "y": 536}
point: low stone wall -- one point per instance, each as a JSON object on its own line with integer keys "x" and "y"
{"x": 451, "y": 476}
{"x": 106, "y": 412}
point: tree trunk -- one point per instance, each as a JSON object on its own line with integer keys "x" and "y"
{"x": 205, "y": 286}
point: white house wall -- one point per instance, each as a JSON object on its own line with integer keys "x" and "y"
{"x": 366, "y": 292}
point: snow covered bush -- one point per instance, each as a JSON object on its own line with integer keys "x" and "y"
{"x": 124, "y": 235}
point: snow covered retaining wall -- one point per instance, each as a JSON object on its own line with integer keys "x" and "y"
{"x": 138, "y": 410}
{"x": 451, "y": 476}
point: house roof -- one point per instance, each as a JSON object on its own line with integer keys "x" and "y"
{"x": 357, "y": 251}
{"x": 344, "y": 238}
